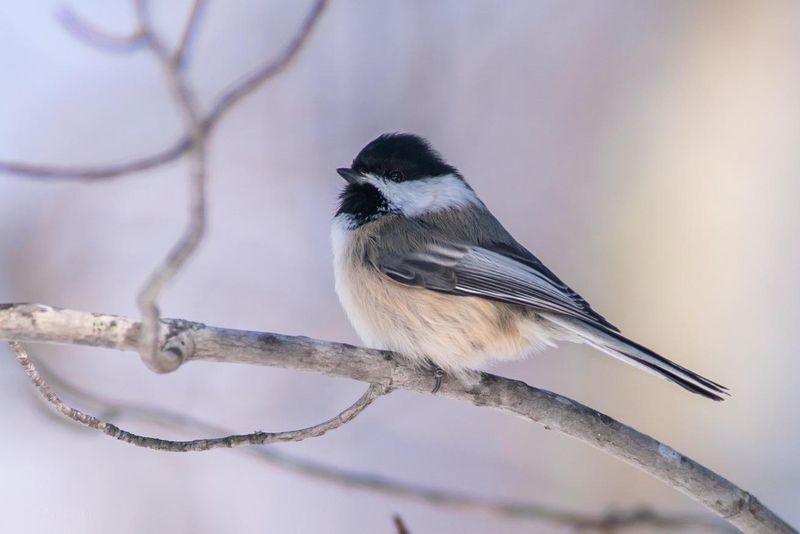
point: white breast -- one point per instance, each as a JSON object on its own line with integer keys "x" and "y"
{"x": 340, "y": 238}
{"x": 344, "y": 274}
{"x": 455, "y": 332}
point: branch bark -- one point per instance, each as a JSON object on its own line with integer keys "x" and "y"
{"x": 198, "y": 342}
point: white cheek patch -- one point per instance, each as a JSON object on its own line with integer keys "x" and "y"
{"x": 426, "y": 195}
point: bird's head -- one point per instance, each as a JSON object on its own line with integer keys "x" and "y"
{"x": 400, "y": 174}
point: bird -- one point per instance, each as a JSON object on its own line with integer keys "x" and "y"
{"x": 422, "y": 268}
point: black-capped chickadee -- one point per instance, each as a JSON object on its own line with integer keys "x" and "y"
{"x": 425, "y": 270}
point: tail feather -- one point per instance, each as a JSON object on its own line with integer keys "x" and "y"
{"x": 630, "y": 352}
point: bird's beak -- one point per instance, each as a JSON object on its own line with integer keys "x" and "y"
{"x": 350, "y": 175}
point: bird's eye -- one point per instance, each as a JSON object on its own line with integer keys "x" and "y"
{"x": 396, "y": 176}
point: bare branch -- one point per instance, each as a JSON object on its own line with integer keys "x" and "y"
{"x": 223, "y": 105}
{"x": 97, "y": 38}
{"x": 79, "y": 172}
{"x": 399, "y": 525}
{"x": 515, "y": 510}
{"x": 252, "y": 82}
{"x": 149, "y": 349}
{"x": 180, "y": 89}
{"x": 39, "y": 323}
{"x": 236, "y": 440}
{"x": 180, "y": 55}
{"x": 165, "y": 360}
{"x": 154, "y": 357}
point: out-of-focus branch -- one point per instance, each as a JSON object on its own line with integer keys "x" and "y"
{"x": 235, "y": 440}
{"x": 38, "y": 323}
{"x": 95, "y": 37}
{"x": 112, "y": 170}
{"x": 270, "y": 69}
{"x": 180, "y": 55}
{"x": 157, "y": 358}
{"x": 224, "y": 103}
{"x": 149, "y": 349}
{"x": 399, "y": 525}
{"x": 195, "y": 144}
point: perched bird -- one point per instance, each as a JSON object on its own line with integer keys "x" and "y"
{"x": 424, "y": 269}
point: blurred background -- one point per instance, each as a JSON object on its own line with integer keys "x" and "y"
{"x": 645, "y": 150}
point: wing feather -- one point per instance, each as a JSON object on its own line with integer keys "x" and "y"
{"x": 481, "y": 272}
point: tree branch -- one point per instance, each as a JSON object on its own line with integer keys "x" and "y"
{"x": 97, "y": 38}
{"x": 399, "y": 525}
{"x": 194, "y": 144}
{"x": 149, "y": 349}
{"x": 181, "y": 53}
{"x": 196, "y": 445}
{"x": 224, "y": 103}
{"x": 198, "y": 342}
{"x": 197, "y": 129}
{"x": 615, "y": 519}
{"x": 267, "y": 71}
{"x": 80, "y": 172}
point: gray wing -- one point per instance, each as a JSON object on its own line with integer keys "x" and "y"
{"x": 489, "y": 272}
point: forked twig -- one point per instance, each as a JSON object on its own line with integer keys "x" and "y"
{"x": 224, "y": 103}
{"x": 198, "y": 128}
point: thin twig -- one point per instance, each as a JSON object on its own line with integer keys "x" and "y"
{"x": 100, "y": 172}
{"x": 94, "y": 37}
{"x": 236, "y": 440}
{"x": 219, "y": 109}
{"x": 515, "y": 510}
{"x": 39, "y": 323}
{"x": 150, "y": 351}
{"x": 180, "y": 55}
{"x": 181, "y": 92}
{"x": 399, "y": 525}
{"x": 274, "y": 67}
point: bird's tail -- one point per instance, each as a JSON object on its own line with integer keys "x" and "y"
{"x": 634, "y": 354}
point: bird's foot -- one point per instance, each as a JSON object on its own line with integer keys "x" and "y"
{"x": 438, "y": 374}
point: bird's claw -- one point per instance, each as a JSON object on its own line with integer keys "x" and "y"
{"x": 438, "y": 374}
